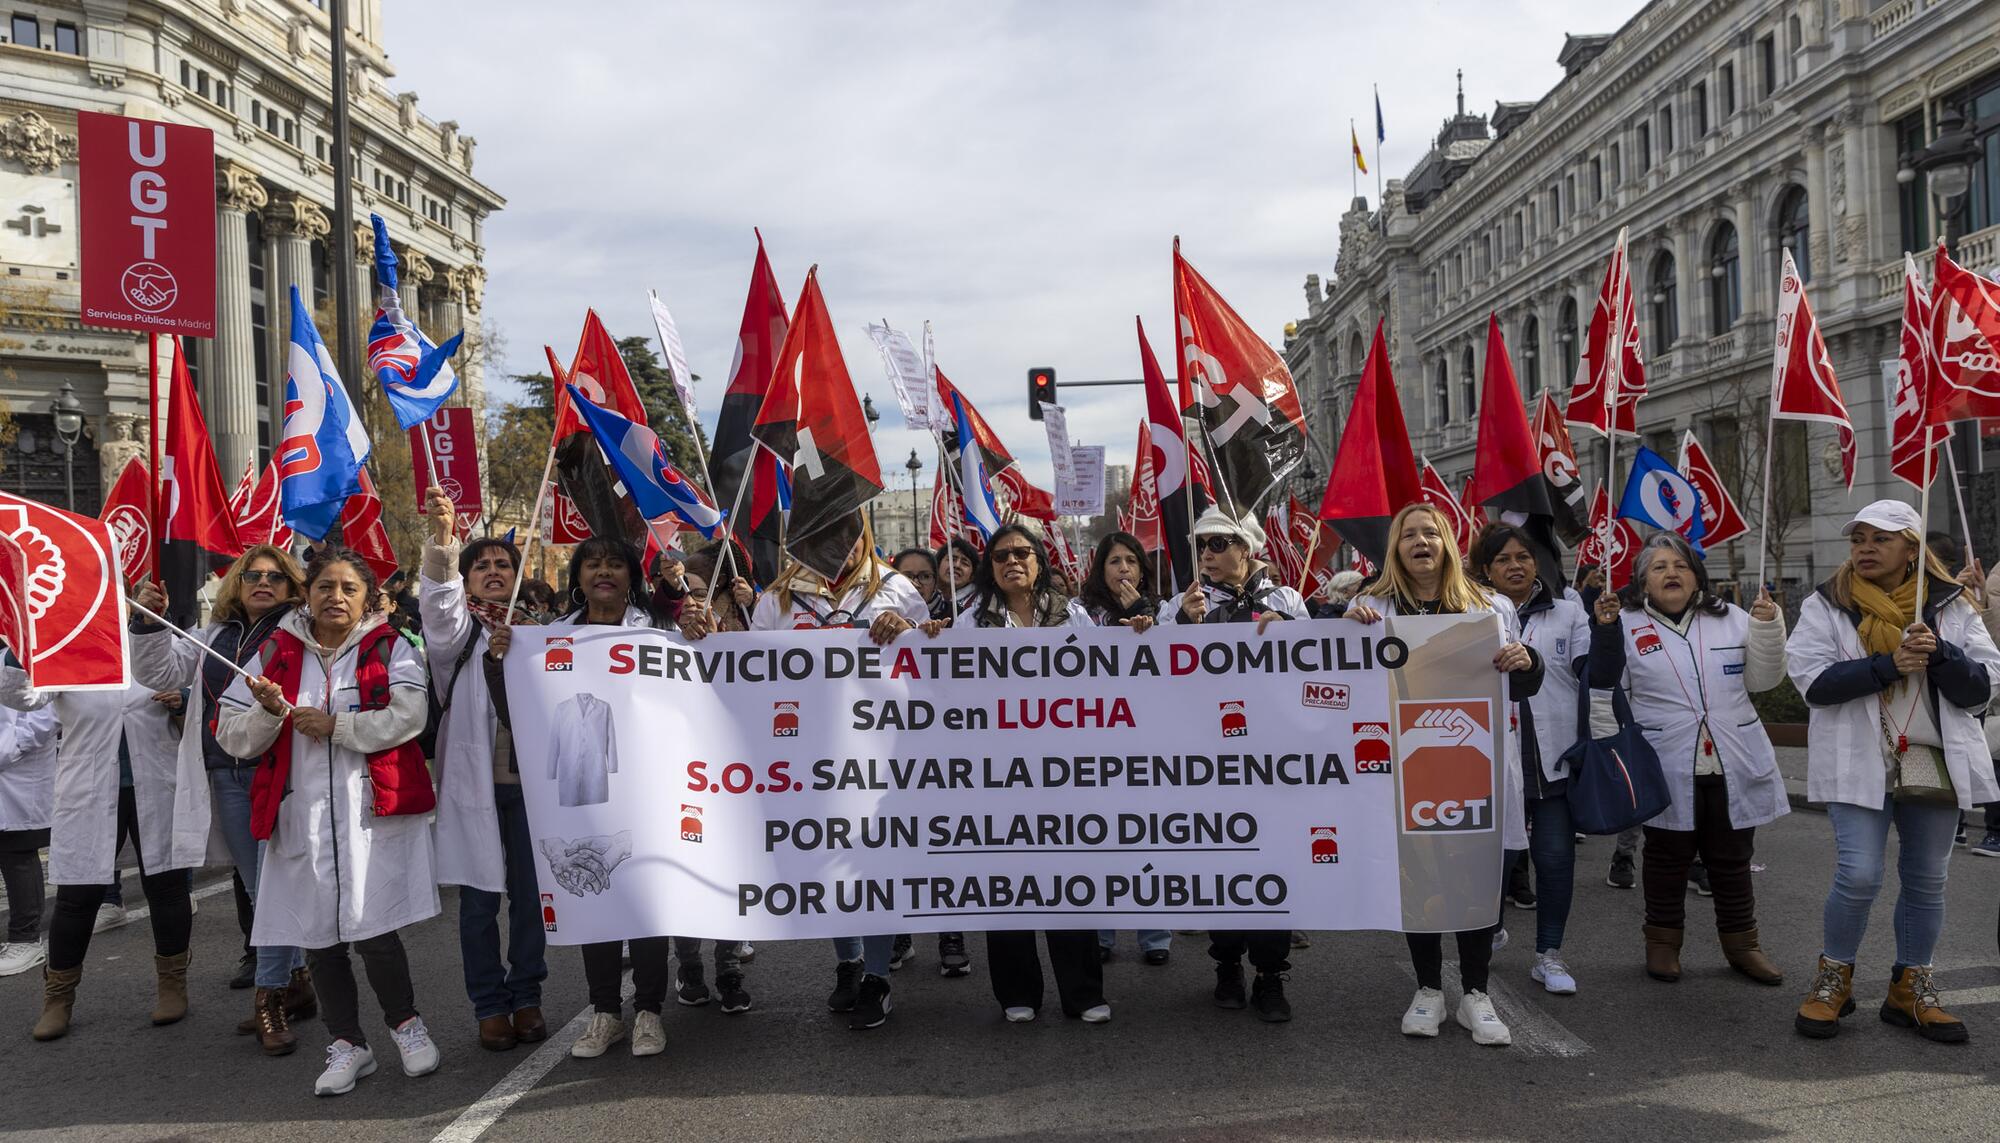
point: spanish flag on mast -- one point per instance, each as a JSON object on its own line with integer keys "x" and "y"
{"x": 1359, "y": 162}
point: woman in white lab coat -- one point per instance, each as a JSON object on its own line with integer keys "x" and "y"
{"x": 1895, "y": 739}
{"x": 342, "y": 796}
{"x": 164, "y": 810}
{"x": 1689, "y": 663}
{"x": 27, "y": 795}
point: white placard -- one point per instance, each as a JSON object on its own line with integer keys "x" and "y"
{"x": 906, "y": 373}
{"x": 1082, "y": 494}
{"x": 1056, "y": 423}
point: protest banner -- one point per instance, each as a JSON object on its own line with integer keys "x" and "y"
{"x": 767, "y": 786}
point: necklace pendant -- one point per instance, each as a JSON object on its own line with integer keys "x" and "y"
{"x": 1902, "y": 744}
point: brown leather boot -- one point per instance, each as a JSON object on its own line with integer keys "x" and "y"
{"x": 529, "y": 1025}
{"x": 274, "y": 1032}
{"x": 58, "y": 997}
{"x": 301, "y": 1002}
{"x": 172, "y": 974}
{"x": 496, "y": 1034}
{"x": 1831, "y": 997}
{"x": 1663, "y": 953}
{"x": 1743, "y": 955}
{"x": 1913, "y": 1003}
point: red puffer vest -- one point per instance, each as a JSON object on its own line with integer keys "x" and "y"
{"x": 402, "y": 782}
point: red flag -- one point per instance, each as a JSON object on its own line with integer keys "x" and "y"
{"x": 734, "y": 455}
{"x": 240, "y": 496}
{"x": 1917, "y": 385}
{"x": 1474, "y": 510}
{"x": 260, "y": 520}
{"x": 1374, "y": 473}
{"x": 1362, "y": 564}
{"x": 1803, "y": 387}
{"x": 1145, "y": 495}
{"x": 196, "y": 507}
{"x": 1168, "y": 461}
{"x": 361, "y": 529}
{"x": 1557, "y": 456}
{"x": 812, "y": 420}
{"x": 1721, "y": 520}
{"x": 1438, "y": 495}
{"x": 1010, "y": 484}
{"x": 125, "y": 512}
{"x": 1624, "y": 542}
{"x": 1247, "y": 399}
{"x": 1278, "y": 547}
{"x": 1965, "y": 336}
{"x": 1064, "y": 555}
{"x": 1317, "y": 546}
{"x": 562, "y": 523}
{"x": 946, "y": 512}
{"x": 1507, "y": 470}
{"x": 1598, "y": 367}
{"x": 60, "y": 579}
{"x": 600, "y": 373}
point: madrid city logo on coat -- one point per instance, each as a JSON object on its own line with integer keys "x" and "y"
{"x": 1444, "y": 756}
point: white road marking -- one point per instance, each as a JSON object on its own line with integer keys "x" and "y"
{"x": 485, "y": 1111}
{"x": 201, "y": 894}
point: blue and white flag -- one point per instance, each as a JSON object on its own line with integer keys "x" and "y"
{"x": 980, "y": 510}
{"x": 1658, "y": 494}
{"x": 322, "y": 445}
{"x": 415, "y": 374}
{"x": 657, "y": 487}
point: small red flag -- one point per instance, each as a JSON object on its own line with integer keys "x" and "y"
{"x": 1600, "y": 367}
{"x": 59, "y": 578}
{"x": 1721, "y": 520}
{"x": 1145, "y": 496}
{"x": 1438, "y": 495}
{"x": 125, "y": 513}
{"x": 1624, "y": 542}
{"x": 196, "y": 507}
{"x": 1374, "y": 472}
{"x": 1803, "y": 387}
{"x": 600, "y": 373}
{"x": 1911, "y": 425}
{"x": 361, "y": 529}
{"x": 260, "y": 520}
{"x": 1965, "y": 336}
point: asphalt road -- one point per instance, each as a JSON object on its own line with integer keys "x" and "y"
{"x": 1711, "y": 1058}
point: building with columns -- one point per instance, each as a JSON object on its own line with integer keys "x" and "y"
{"x": 1718, "y": 132}
{"x": 258, "y": 74}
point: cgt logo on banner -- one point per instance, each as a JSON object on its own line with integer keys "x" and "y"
{"x": 1445, "y": 751}
{"x": 690, "y": 822}
{"x": 559, "y": 656}
{"x": 784, "y": 720}
{"x": 1234, "y": 722}
{"x": 1325, "y": 845}
{"x": 66, "y": 604}
{"x": 1371, "y": 748}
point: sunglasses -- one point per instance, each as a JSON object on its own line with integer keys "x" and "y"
{"x": 1013, "y": 555}
{"x": 1216, "y": 544}
{"x": 270, "y": 577}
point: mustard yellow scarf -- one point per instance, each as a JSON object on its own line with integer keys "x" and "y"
{"x": 1885, "y": 615}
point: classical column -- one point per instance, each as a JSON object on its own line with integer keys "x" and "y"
{"x": 468, "y": 285}
{"x": 1750, "y": 250}
{"x": 1688, "y": 274}
{"x": 231, "y": 406}
{"x": 416, "y": 276}
{"x": 1818, "y": 195}
{"x": 293, "y": 222}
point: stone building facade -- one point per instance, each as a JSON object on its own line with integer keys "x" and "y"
{"x": 1719, "y": 132}
{"x": 258, "y": 74}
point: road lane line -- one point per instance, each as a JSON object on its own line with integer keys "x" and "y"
{"x": 485, "y": 1111}
{"x": 201, "y": 894}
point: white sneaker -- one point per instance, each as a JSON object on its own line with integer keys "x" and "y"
{"x": 346, "y": 1065}
{"x": 1476, "y": 1015}
{"x": 649, "y": 1038}
{"x": 419, "y": 1051}
{"x": 745, "y": 951}
{"x": 605, "y": 1030}
{"x": 1499, "y": 939}
{"x": 109, "y": 916}
{"x": 1097, "y": 1014}
{"x": 1020, "y": 1015}
{"x": 16, "y": 958}
{"x": 1426, "y": 1013}
{"x": 1551, "y": 973}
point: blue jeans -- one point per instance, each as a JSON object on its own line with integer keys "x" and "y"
{"x": 1149, "y": 939}
{"x": 494, "y": 989}
{"x": 873, "y": 952}
{"x": 231, "y": 789}
{"x": 1552, "y": 847}
{"x": 1860, "y": 835}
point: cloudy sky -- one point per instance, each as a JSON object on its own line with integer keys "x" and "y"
{"x": 1013, "y": 172}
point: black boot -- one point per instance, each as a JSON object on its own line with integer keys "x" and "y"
{"x": 1229, "y": 985}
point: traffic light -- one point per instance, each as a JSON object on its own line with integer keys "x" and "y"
{"x": 1041, "y": 387}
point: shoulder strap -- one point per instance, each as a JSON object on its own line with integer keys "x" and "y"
{"x": 458, "y": 665}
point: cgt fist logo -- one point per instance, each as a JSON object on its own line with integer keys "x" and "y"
{"x": 690, "y": 823}
{"x": 1646, "y": 639}
{"x": 548, "y": 912}
{"x": 1444, "y": 751}
{"x": 1371, "y": 748}
{"x": 1329, "y": 696}
{"x": 558, "y": 656}
{"x": 784, "y": 720}
{"x": 1326, "y": 845}
{"x": 1234, "y": 724}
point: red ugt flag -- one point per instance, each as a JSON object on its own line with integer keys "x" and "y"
{"x": 1913, "y": 432}
{"x": 197, "y": 507}
{"x": 1601, "y": 366}
{"x": 1965, "y": 335}
{"x": 61, "y": 597}
{"x": 1803, "y": 387}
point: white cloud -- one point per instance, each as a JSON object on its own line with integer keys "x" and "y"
{"x": 1013, "y": 172}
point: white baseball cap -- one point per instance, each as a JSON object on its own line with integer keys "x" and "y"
{"x": 1888, "y": 515}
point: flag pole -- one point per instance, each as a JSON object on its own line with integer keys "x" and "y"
{"x": 153, "y": 443}
{"x": 430, "y": 462}
{"x": 1378, "y": 146}
{"x": 1770, "y": 448}
{"x": 205, "y": 648}
{"x": 1958, "y": 492}
{"x": 729, "y": 522}
{"x": 1614, "y": 373}
{"x": 534, "y": 528}
{"x": 1353, "y": 176}
{"x": 1924, "y": 522}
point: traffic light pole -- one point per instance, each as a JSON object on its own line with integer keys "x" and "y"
{"x": 1098, "y": 384}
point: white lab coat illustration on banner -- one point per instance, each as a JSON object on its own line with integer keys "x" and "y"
{"x": 583, "y": 751}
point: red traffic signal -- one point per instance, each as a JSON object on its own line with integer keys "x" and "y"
{"x": 1041, "y": 387}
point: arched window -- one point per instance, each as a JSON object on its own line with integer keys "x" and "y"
{"x": 1568, "y": 345}
{"x": 1795, "y": 231}
{"x": 1725, "y": 288}
{"x": 1441, "y": 397}
{"x": 1531, "y": 358}
{"x": 1666, "y": 302}
{"x": 1357, "y": 353}
{"x": 1468, "y": 385}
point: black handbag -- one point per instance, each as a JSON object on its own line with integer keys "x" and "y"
{"x": 1615, "y": 783}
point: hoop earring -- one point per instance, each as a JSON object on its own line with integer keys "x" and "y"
{"x": 576, "y": 596}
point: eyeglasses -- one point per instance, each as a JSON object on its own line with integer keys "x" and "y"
{"x": 1216, "y": 544}
{"x": 1013, "y": 555}
{"x": 920, "y": 577}
{"x": 270, "y": 577}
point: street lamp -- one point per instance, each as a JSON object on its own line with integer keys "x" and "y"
{"x": 68, "y": 414}
{"x": 1947, "y": 166}
{"x": 914, "y": 466}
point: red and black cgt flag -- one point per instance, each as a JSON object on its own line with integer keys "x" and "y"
{"x": 197, "y": 529}
{"x": 1374, "y": 472}
{"x": 1507, "y": 477}
{"x": 582, "y": 472}
{"x": 812, "y": 421}
{"x": 735, "y": 452}
{"x": 1168, "y": 467}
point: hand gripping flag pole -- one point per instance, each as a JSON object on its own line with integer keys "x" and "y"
{"x": 205, "y": 648}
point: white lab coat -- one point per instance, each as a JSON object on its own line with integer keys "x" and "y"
{"x": 467, "y": 823}
{"x": 1845, "y": 756}
{"x": 1514, "y": 821}
{"x": 171, "y": 795}
{"x": 333, "y": 871}
{"x": 1284, "y": 600}
{"x": 896, "y": 594}
{"x": 1560, "y": 634}
{"x": 583, "y": 751}
{"x": 1074, "y": 615}
{"x": 27, "y": 768}
{"x": 1710, "y": 673}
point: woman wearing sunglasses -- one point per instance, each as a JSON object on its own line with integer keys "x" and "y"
{"x": 254, "y": 596}
{"x": 1422, "y": 575}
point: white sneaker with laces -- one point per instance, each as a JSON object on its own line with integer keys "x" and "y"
{"x": 1425, "y": 1014}
{"x": 1097, "y": 1014}
{"x": 649, "y": 1037}
{"x": 346, "y": 1065}
{"x": 605, "y": 1030}
{"x": 1476, "y": 1015}
{"x": 109, "y": 916}
{"x": 1551, "y": 973}
{"x": 19, "y": 957}
{"x": 1020, "y": 1015}
{"x": 419, "y": 1051}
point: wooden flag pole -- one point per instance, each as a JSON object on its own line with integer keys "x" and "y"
{"x": 534, "y": 528}
{"x": 729, "y": 523}
{"x": 1958, "y": 492}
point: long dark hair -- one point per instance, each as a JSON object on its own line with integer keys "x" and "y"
{"x": 1097, "y": 594}
{"x": 987, "y": 596}
{"x": 1704, "y": 600}
{"x": 607, "y": 548}
{"x": 963, "y": 547}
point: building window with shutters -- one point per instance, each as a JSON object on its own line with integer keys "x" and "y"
{"x": 1665, "y": 299}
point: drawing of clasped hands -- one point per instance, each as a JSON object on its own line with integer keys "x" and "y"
{"x": 585, "y": 865}
{"x": 1442, "y": 727}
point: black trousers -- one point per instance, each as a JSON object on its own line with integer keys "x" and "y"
{"x": 1475, "y": 957}
{"x": 1725, "y": 851}
{"x": 245, "y": 912}
{"x": 21, "y": 869}
{"x": 1269, "y": 949}
{"x": 388, "y": 968}
{"x": 1016, "y": 968}
{"x": 652, "y": 974}
{"x": 166, "y": 895}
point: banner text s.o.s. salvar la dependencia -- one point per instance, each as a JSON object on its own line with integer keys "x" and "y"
{"x": 1324, "y": 775}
